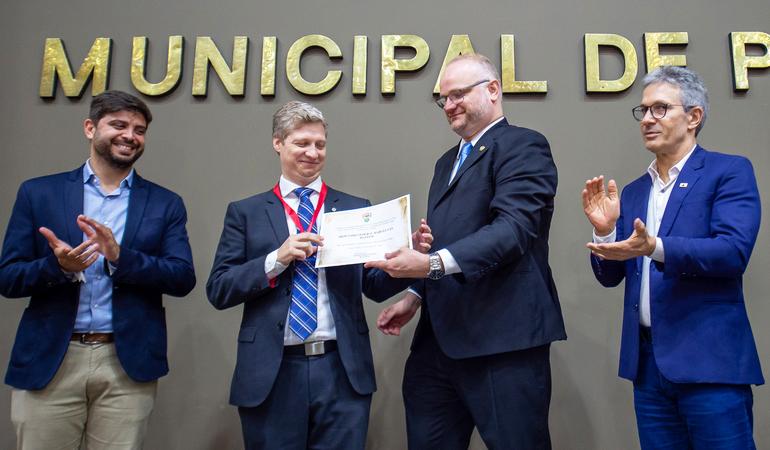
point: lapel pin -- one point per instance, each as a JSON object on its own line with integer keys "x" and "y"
{"x": 482, "y": 148}
{"x": 682, "y": 185}
{"x": 334, "y": 209}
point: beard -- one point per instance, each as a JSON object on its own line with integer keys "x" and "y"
{"x": 472, "y": 117}
{"x": 104, "y": 150}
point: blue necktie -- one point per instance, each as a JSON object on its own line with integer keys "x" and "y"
{"x": 464, "y": 152}
{"x": 303, "y": 312}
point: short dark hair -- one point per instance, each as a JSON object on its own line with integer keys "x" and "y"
{"x": 114, "y": 101}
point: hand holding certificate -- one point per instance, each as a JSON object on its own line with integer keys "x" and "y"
{"x": 366, "y": 234}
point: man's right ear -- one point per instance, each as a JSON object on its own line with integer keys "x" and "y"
{"x": 277, "y": 144}
{"x": 88, "y": 128}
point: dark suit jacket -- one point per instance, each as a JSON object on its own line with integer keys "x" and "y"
{"x": 253, "y": 228}
{"x": 494, "y": 218}
{"x": 155, "y": 259}
{"x": 701, "y": 333}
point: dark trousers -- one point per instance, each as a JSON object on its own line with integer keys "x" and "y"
{"x": 506, "y": 396}
{"x": 690, "y": 415}
{"x": 311, "y": 406}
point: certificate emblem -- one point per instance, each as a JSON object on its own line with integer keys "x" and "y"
{"x": 366, "y": 216}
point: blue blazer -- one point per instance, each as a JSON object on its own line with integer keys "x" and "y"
{"x": 494, "y": 218}
{"x": 155, "y": 259}
{"x": 253, "y": 228}
{"x": 701, "y": 332}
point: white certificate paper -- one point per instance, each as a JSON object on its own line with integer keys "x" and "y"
{"x": 359, "y": 235}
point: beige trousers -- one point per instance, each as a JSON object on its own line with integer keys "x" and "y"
{"x": 90, "y": 404}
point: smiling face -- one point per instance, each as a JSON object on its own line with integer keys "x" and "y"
{"x": 477, "y": 108}
{"x": 675, "y": 133}
{"x": 117, "y": 138}
{"x": 302, "y": 152}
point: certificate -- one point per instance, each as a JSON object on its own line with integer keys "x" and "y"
{"x": 359, "y": 235}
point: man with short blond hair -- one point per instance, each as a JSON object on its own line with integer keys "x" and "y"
{"x": 304, "y": 377}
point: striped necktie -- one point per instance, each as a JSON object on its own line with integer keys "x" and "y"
{"x": 303, "y": 311}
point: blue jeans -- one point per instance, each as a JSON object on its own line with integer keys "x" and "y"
{"x": 690, "y": 415}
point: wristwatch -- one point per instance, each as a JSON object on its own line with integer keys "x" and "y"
{"x": 436, "y": 266}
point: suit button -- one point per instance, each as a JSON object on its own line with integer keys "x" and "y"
{"x": 636, "y": 307}
{"x": 288, "y": 291}
{"x": 280, "y": 326}
{"x": 115, "y": 288}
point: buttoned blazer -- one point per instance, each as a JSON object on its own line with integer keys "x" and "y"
{"x": 494, "y": 218}
{"x": 253, "y": 228}
{"x": 700, "y": 328}
{"x": 155, "y": 259}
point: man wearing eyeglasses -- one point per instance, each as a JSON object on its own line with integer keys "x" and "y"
{"x": 480, "y": 355}
{"x": 681, "y": 236}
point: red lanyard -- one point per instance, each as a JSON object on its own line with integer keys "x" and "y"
{"x": 293, "y": 214}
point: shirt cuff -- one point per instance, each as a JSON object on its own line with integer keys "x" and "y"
{"x": 416, "y": 294}
{"x": 273, "y": 267}
{"x": 604, "y": 239}
{"x": 658, "y": 254}
{"x": 76, "y": 277}
{"x": 450, "y": 265}
{"x": 111, "y": 267}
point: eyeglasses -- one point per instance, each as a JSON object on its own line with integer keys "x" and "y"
{"x": 457, "y": 95}
{"x": 657, "y": 110}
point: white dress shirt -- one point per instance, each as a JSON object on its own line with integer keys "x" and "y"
{"x": 660, "y": 192}
{"x": 325, "y": 322}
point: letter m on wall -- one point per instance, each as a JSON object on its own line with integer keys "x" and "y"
{"x": 56, "y": 65}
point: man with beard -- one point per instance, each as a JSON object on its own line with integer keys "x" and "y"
{"x": 480, "y": 355}
{"x": 95, "y": 249}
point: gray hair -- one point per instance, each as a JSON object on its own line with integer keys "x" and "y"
{"x": 294, "y": 114}
{"x": 481, "y": 61}
{"x": 692, "y": 91}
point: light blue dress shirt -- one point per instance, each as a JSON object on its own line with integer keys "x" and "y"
{"x": 110, "y": 209}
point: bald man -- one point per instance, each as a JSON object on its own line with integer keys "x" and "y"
{"x": 480, "y": 355}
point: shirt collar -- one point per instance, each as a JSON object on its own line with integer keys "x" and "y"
{"x": 673, "y": 172}
{"x": 479, "y": 135}
{"x": 287, "y": 187}
{"x": 88, "y": 174}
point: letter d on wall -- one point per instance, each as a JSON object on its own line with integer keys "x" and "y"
{"x": 593, "y": 81}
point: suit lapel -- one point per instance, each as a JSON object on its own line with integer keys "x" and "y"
{"x": 639, "y": 200}
{"x": 137, "y": 202}
{"x": 439, "y": 186}
{"x": 277, "y": 218}
{"x": 682, "y": 186}
{"x": 481, "y": 148}
{"x": 73, "y": 206}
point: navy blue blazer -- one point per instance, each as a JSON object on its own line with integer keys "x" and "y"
{"x": 155, "y": 259}
{"x": 494, "y": 217}
{"x": 253, "y": 228}
{"x": 701, "y": 332}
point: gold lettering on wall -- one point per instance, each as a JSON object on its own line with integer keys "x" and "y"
{"x": 173, "y": 66}
{"x": 508, "y": 74}
{"x": 56, "y": 65}
{"x": 207, "y": 53}
{"x": 294, "y": 56}
{"x": 359, "y": 65}
{"x": 391, "y": 65}
{"x": 594, "y": 83}
{"x": 460, "y": 44}
{"x": 652, "y": 43}
{"x": 741, "y": 62}
{"x": 267, "y": 82}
